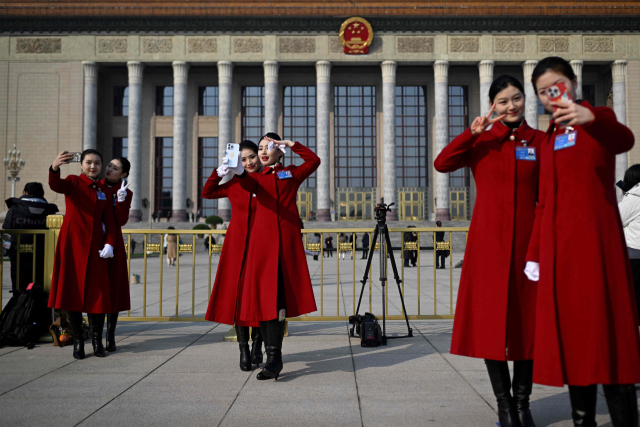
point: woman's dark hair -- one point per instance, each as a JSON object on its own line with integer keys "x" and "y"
{"x": 34, "y": 189}
{"x": 171, "y": 228}
{"x": 631, "y": 177}
{"x": 501, "y": 83}
{"x": 553, "y": 63}
{"x": 90, "y": 151}
{"x": 439, "y": 223}
{"x": 126, "y": 165}
{"x": 273, "y": 135}
{"x": 248, "y": 145}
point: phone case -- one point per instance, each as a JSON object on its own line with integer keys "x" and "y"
{"x": 233, "y": 154}
{"x": 558, "y": 93}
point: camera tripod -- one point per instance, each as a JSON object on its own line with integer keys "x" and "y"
{"x": 383, "y": 231}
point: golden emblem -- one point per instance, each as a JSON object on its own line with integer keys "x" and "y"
{"x": 356, "y": 35}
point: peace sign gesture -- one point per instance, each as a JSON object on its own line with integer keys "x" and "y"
{"x": 122, "y": 192}
{"x": 481, "y": 123}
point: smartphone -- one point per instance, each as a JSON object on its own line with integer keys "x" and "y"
{"x": 76, "y": 157}
{"x": 558, "y": 93}
{"x": 233, "y": 154}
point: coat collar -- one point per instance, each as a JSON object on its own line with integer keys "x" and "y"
{"x": 267, "y": 169}
{"x": 103, "y": 183}
{"x": 502, "y": 132}
{"x": 88, "y": 181}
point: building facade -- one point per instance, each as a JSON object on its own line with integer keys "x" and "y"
{"x": 170, "y": 91}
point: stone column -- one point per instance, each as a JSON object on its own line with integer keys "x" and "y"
{"x": 577, "y": 64}
{"x": 270, "y": 96}
{"x": 180, "y": 76}
{"x": 323, "y": 126}
{"x": 486, "y": 78}
{"x": 531, "y": 99}
{"x": 225, "y": 128}
{"x": 90, "y": 119}
{"x": 619, "y": 72}
{"x": 389, "y": 136}
{"x": 441, "y": 69}
{"x": 134, "y": 137}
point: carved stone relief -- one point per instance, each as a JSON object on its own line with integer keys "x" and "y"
{"x": 598, "y": 44}
{"x": 553, "y": 44}
{"x": 336, "y": 45}
{"x": 297, "y": 45}
{"x": 202, "y": 45}
{"x": 415, "y": 44}
{"x": 509, "y": 44}
{"x": 39, "y": 45}
{"x": 157, "y": 45}
{"x": 112, "y": 45}
{"x": 247, "y": 45}
{"x": 464, "y": 44}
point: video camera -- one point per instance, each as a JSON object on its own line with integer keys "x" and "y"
{"x": 381, "y": 210}
{"x": 367, "y": 328}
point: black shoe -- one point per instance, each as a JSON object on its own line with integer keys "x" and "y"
{"x": 78, "y": 348}
{"x": 583, "y": 405}
{"x": 75, "y": 321}
{"x": 242, "y": 332}
{"x": 273, "y": 333}
{"x": 623, "y": 404}
{"x": 501, "y": 384}
{"x": 97, "y": 325}
{"x": 112, "y": 320}
{"x": 256, "y": 346}
{"x": 522, "y": 387}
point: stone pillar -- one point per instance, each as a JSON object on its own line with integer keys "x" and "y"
{"x": 323, "y": 126}
{"x": 90, "y": 119}
{"x": 577, "y": 64}
{"x": 389, "y": 136}
{"x": 270, "y": 96}
{"x": 531, "y": 99}
{"x": 619, "y": 72}
{"x": 441, "y": 69}
{"x": 225, "y": 127}
{"x": 180, "y": 76}
{"x": 134, "y": 137}
{"x": 486, "y": 78}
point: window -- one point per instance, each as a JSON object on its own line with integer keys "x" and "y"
{"x": 253, "y": 113}
{"x": 121, "y": 101}
{"x": 120, "y": 147}
{"x": 207, "y": 160}
{"x": 458, "y": 122}
{"x": 208, "y": 100}
{"x": 411, "y": 136}
{"x": 164, "y": 177}
{"x": 300, "y": 122}
{"x": 164, "y": 100}
{"x": 589, "y": 94}
{"x": 355, "y": 136}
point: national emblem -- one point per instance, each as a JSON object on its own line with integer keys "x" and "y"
{"x": 356, "y": 35}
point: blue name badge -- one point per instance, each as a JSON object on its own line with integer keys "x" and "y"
{"x": 526, "y": 153}
{"x": 565, "y": 141}
{"x": 101, "y": 196}
{"x": 284, "y": 175}
{"x": 114, "y": 201}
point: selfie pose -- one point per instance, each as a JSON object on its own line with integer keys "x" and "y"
{"x": 80, "y": 280}
{"x": 117, "y": 170}
{"x": 228, "y": 289}
{"x": 586, "y": 321}
{"x": 277, "y": 282}
{"x": 495, "y": 315}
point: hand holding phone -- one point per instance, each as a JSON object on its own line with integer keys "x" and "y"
{"x": 559, "y": 93}
{"x": 63, "y": 158}
{"x": 233, "y": 154}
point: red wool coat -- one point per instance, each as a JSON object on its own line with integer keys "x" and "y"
{"x": 495, "y": 313}
{"x": 224, "y": 304}
{"x": 80, "y": 280}
{"x": 586, "y": 321}
{"x": 118, "y": 266}
{"x": 280, "y": 244}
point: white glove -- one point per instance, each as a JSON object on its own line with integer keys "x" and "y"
{"x": 107, "y": 252}
{"x": 122, "y": 192}
{"x": 532, "y": 271}
{"x": 272, "y": 146}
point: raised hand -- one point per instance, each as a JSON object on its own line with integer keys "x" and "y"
{"x": 122, "y": 192}
{"x": 63, "y": 158}
{"x": 572, "y": 114}
{"x": 481, "y": 123}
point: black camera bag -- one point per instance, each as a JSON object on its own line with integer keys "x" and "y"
{"x": 24, "y": 319}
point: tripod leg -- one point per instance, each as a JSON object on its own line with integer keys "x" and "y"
{"x": 397, "y": 278}
{"x": 366, "y": 270}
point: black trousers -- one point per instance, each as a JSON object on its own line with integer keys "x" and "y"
{"x": 365, "y": 252}
{"x": 329, "y": 251}
{"x": 441, "y": 258}
{"x": 635, "y": 269}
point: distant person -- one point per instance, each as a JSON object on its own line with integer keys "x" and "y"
{"x": 365, "y": 245}
{"x": 441, "y": 255}
{"x": 328, "y": 243}
{"x": 315, "y": 239}
{"x": 172, "y": 248}
{"x": 342, "y": 239}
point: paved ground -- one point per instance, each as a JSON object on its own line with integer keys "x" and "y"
{"x": 183, "y": 374}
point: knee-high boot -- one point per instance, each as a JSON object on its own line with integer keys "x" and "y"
{"x": 75, "y": 319}
{"x": 501, "y": 383}
{"x": 256, "y": 346}
{"x": 623, "y": 404}
{"x": 583, "y": 405}
{"x": 242, "y": 332}
{"x": 97, "y": 325}
{"x": 522, "y": 387}
{"x": 273, "y": 332}
{"x": 112, "y": 320}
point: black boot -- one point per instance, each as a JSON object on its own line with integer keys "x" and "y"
{"x": 522, "y": 387}
{"x": 501, "y": 383}
{"x": 583, "y": 405}
{"x": 623, "y": 404}
{"x": 97, "y": 325}
{"x": 75, "y": 319}
{"x": 256, "y": 346}
{"x": 273, "y": 332}
{"x": 112, "y": 320}
{"x": 242, "y": 332}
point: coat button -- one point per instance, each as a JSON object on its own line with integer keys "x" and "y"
{"x": 512, "y": 138}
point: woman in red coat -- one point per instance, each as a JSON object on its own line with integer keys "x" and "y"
{"x": 228, "y": 286}
{"x": 586, "y": 320}
{"x": 117, "y": 170}
{"x": 495, "y": 314}
{"x": 277, "y": 282}
{"x": 80, "y": 280}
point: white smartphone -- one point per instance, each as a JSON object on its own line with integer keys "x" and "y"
{"x": 233, "y": 154}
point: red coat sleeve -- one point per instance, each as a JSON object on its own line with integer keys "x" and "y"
{"x": 533, "y": 252}
{"x": 59, "y": 185}
{"x": 311, "y": 162}
{"x": 122, "y": 209}
{"x": 456, "y": 154}
{"x": 608, "y": 132}
{"x": 109, "y": 220}
{"x": 212, "y": 188}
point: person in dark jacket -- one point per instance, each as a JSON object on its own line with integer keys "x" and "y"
{"x": 328, "y": 243}
{"x": 441, "y": 256}
{"x": 28, "y": 212}
{"x": 365, "y": 245}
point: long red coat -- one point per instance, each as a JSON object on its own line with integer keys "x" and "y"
{"x": 279, "y": 246}
{"x": 224, "y": 304}
{"x": 586, "y": 322}
{"x": 80, "y": 280}
{"x": 118, "y": 266}
{"x": 495, "y": 313}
